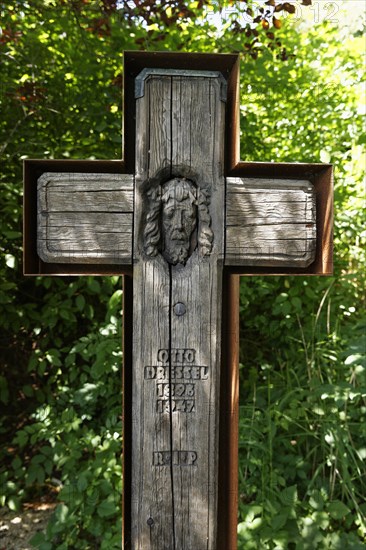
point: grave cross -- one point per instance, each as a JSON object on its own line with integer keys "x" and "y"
{"x": 184, "y": 217}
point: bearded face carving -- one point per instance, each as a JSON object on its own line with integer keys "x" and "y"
{"x": 177, "y": 221}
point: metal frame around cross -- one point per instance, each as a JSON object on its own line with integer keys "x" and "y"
{"x": 319, "y": 174}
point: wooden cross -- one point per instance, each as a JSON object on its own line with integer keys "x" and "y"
{"x": 184, "y": 217}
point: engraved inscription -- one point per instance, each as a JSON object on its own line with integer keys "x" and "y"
{"x": 177, "y": 355}
{"x": 174, "y": 458}
{"x": 175, "y": 390}
{"x": 177, "y": 219}
{"x": 175, "y": 380}
{"x": 189, "y": 372}
{"x": 177, "y": 405}
{"x": 182, "y": 397}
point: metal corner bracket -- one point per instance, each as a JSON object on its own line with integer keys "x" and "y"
{"x": 146, "y": 73}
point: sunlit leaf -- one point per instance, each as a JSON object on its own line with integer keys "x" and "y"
{"x": 338, "y": 509}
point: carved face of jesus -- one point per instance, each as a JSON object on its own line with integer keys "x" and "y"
{"x": 179, "y": 219}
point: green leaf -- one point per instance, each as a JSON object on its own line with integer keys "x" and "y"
{"x": 353, "y": 359}
{"x": 53, "y": 357}
{"x": 289, "y": 496}
{"x": 316, "y": 500}
{"x": 16, "y": 463}
{"x": 37, "y": 539}
{"x": 86, "y": 394}
{"x": 21, "y": 438}
{"x": 80, "y": 302}
{"x": 46, "y": 450}
{"x": 66, "y": 314}
{"x": 94, "y": 286}
{"x": 61, "y": 513}
{"x": 107, "y": 508}
{"x": 321, "y": 519}
{"x": 296, "y": 302}
{"x": 13, "y": 503}
{"x": 338, "y": 510}
{"x": 280, "y": 520}
{"x": 28, "y": 390}
{"x": 116, "y": 300}
{"x": 12, "y": 234}
{"x": 82, "y": 482}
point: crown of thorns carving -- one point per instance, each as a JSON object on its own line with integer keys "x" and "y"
{"x": 177, "y": 189}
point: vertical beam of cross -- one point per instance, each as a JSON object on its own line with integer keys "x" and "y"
{"x": 178, "y": 262}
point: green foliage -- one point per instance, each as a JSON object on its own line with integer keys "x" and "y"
{"x": 302, "y": 437}
{"x": 303, "y": 391}
{"x": 303, "y": 396}
{"x": 69, "y": 442}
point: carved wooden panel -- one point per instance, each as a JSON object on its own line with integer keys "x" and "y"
{"x": 178, "y": 255}
{"x": 85, "y": 218}
{"x": 270, "y": 222}
{"x": 88, "y": 217}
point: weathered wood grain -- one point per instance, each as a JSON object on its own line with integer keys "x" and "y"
{"x": 199, "y": 287}
{"x": 270, "y": 222}
{"x": 83, "y": 218}
{"x": 151, "y": 288}
{"x": 176, "y": 369}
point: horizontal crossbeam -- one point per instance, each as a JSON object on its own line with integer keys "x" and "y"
{"x": 88, "y": 218}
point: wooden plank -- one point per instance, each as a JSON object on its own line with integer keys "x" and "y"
{"x": 254, "y": 235}
{"x": 77, "y": 203}
{"x": 85, "y": 217}
{"x": 94, "y": 244}
{"x": 198, "y": 286}
{"x": 270, "y": 222}
{"x": 268, "y": 207}
{"x": 60, "y": 200}
{"x": 57, "y": 221}
{"x": 159, "y": 97}
{"x": 249, "y": 183}
{"x": 176, "y": 369}
{"x": 152, "y": 522}
{"x": 244, "y": 211}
